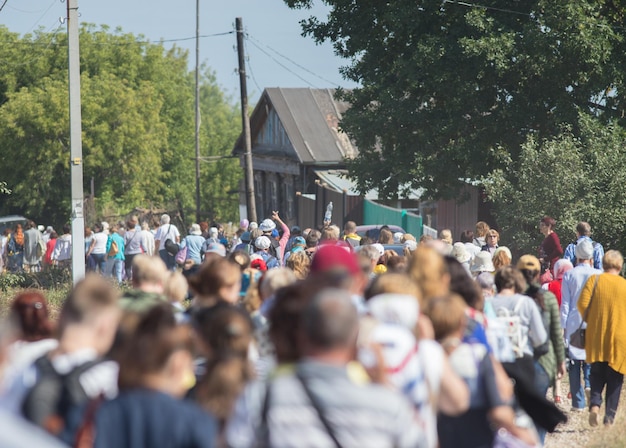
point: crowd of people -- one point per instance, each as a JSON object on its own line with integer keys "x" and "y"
{"x": 283, "y": 336}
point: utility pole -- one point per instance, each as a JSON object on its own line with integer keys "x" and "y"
{"x": 197, "y": 110}
{"x": 76, "y": 145}
{"x": 245, "y": 119}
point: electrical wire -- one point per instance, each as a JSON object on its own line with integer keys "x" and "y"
{"x": 249, "y": 65}
{"x": 282, "y": 65}
{"x": 291, "y": 61}
{"x": 3, "y": 4}
{"x": 48, "y": 45}
{"x": 126, "y": 43}
{"x": 42, "y": 16}
{"x": 473, "y": 5}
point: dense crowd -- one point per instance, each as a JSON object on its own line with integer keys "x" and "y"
{"x": 279, "y": 336}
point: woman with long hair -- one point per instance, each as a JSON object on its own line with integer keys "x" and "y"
{"x": 224, "y": 334}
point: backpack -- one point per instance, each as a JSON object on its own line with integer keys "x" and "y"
{"x": 113, "y": 250}
{"x": 275, "y": 248}
{"x": 511, "y": 323}
{"x": 54, "y": 395}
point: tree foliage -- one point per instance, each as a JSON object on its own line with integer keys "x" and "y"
{"x": 137, "y": 121}
{"x": 451, "y": 90}
{"x": 572, "y": 177}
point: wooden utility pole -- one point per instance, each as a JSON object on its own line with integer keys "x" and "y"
{"x": 76, "y": 145}
{"x": 245, "y": 119}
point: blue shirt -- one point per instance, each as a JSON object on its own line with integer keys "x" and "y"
{"x": 193, "y": 243}
{"x": 598, "y": 252}
{"x": 120, "y": 246}
{"x": 573, "y": 283}
{"x": 142, "y": 418}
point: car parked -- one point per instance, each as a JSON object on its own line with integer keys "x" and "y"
{"x": 373, "y": 230}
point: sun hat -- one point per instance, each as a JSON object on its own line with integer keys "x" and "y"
{"x": 482, "y": 262}
{"x": 262, "y": 242}
{"x": 267, "y": 225}
{"x": 410, "y": 244}
{"x": 391, "y": 308}
{"x": 195, "y": 229}
{"x": 245, "y": 237}
{"x": 244, "y": 223}
{"x": 253, "y": 225}
{"x": 216, "y": 248}
{"x": 460, "y": 252}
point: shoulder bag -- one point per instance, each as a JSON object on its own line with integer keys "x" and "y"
{"x": 170, "y": 246}
{"x": 577, "y": 338}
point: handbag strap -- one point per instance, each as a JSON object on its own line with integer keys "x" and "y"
{"x": 589, "y": 304}
{"x": 318, "y": 408}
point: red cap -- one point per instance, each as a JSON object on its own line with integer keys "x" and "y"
{"x": 334, "y": 258}
{"x": 259, "y": 264}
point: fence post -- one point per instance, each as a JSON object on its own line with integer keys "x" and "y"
{"x": 405, "y": 220}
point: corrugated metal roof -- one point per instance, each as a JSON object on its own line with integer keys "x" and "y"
{"x": 310, "y": 118}
{"x": 338, "y": 180}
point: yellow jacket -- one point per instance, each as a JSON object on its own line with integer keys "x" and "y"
{"x": 606, "y": 322}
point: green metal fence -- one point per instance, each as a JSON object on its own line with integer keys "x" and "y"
{"x": 381, "y": 214}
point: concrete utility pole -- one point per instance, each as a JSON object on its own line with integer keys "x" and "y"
{"x": 198, "y": 111}
{"x": 76, "y": 145}
{"x": 245, "y": 119}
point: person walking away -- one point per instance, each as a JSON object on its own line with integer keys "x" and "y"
{"x": 602, "y": 304}
{"x": 551, "y": 364}
{"x": 115, "y": 252}
{"x": 583, "y": 232}
{"x": 98, "y": 249}
{"x": 573, "y": 283}
{"x": 194, "y": 243}
{"x": 134, "y": 244}
{"x": 148, "y": 238}
{"x": 33, "y": 248}
{"x": 316, "y": 400}
{"x": 62, "y": 254}
{"x": 550, "y": 250}
{"x": 167, "y": 231}
{"x": 52, "y": 241}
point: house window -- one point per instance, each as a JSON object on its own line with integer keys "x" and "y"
{"x": 273, "y": 194}
{"x": 258, "y": 195}
{"x": 289, "y": 200}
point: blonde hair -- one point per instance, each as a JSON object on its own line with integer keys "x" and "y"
{"x": 393, "y": 283}
{"x": 446, "y": 236}
{"x": 428, "y": 270}
{"x": 612, "y": 259}
{"x": 176, "y": 287}
{"x": 481, "y": 229}
{"x": 148, "y": 269}
{"x": 501, "y": 258}
{"x": 299, "y": 262}
{"x": 385, "y": 237}
{"x": 274, "y": 279}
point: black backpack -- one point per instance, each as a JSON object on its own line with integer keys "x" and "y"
{"x": 54, "y": 395}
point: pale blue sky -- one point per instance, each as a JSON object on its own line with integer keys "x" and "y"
{"x": 270, "y": 22}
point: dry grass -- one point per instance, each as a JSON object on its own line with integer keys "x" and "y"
{"x": 55, "y": 299}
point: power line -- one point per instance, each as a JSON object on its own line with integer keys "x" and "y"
{"x": 281, "y": 64}
{"x": 245, "y": 43}
{"x": 292, "y": 61}
{"x": 473, "y": 5}
{"x": 3, "y": 4}
{"x": 125, "y": 43}
{"x": 42, "y": 16}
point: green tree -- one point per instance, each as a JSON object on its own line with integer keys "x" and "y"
{"x": 450, "y": 90}
{"x": 571, "y": 177}
{"x": 137, "y": 119}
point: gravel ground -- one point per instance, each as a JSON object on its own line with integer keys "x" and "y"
{"x": 577, "y": 432}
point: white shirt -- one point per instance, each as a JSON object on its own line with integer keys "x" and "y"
{"x": 165, "y": 232}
